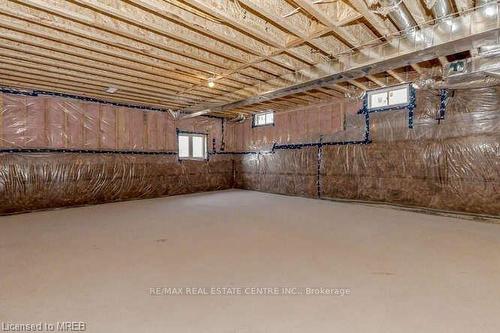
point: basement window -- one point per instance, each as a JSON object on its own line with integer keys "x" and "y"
{"x": 391, "y": 97}
{"x": 192, "y": 146}
{"x": 263, "y": 119}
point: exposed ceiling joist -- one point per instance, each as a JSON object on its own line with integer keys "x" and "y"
{"x": 442, "y": 46}
{"x": 164, "y": 52}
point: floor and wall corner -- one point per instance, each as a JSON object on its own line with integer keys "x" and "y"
{"x": 250, "y": 166}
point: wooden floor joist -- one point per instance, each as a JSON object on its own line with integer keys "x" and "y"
{"x": 164, "y": 53}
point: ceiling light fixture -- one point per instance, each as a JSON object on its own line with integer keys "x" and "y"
{"x": 211, "y": 83}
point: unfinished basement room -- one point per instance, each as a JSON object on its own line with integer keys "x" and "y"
{"x": 250, "y": 166}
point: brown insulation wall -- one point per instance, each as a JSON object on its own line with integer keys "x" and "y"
{"x": 56, "y": 122}
{"x": 30, "y": 181}
{"x": 39, "y": 181}
{"x": 298, "y": 126}
{"x": 451, "y": 165}
{"x": 291, "y": 172}
{"x": 426, "y": 174}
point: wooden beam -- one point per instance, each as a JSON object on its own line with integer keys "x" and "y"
{"x": 417, "y": 68}
{"x": 234, "y": 37}
{"x": 396, "y": 76}
{"x": 48, "y": 57}
{"x": 339, "y": 88}
{"x": 73, "y": 51}
{"x": 150, "y": 39}
{"x": 375, "y": 21}
{"x": 34, "y": 78}
{"x": 23, "y": 84}
{"x": 70, "y": 43}
{"x": 176, "y": 32}
{"x": 373, "y": 67}
{"x": 255, "y": 33}
{"x": 377, "y": 81}
{"x": 344, "y": 35}
{"x": 358, "y": 84}
{"x": 218, "y": 12}
{"x": 443, "y": 61}
{"x": 138, "y": 49}
{"x": 26, "y": 67}
{"x": 285, "y": 25}
{"x": 316, "y": 13}
{"x": 71, "y": 48}
{"x": 331, "y": 92}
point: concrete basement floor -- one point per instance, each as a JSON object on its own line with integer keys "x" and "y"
{"x": 407, "y": 272}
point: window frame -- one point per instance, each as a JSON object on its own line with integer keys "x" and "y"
{"x": 254, "y": 117}
{"x": 190, "y": 135}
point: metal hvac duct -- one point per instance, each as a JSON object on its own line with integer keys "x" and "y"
{"x": 487, "y": 10}
{"x": 441, "y": 8}
{"x": 477, "y": 72}
{"x": 483, "y": 2}
{"x": 238, "y": 119}
{"x": 399, "y": 14}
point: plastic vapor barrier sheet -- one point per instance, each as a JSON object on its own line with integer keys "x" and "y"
{"x": 64, "y": 152}
{"x": 450, "y": 164}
